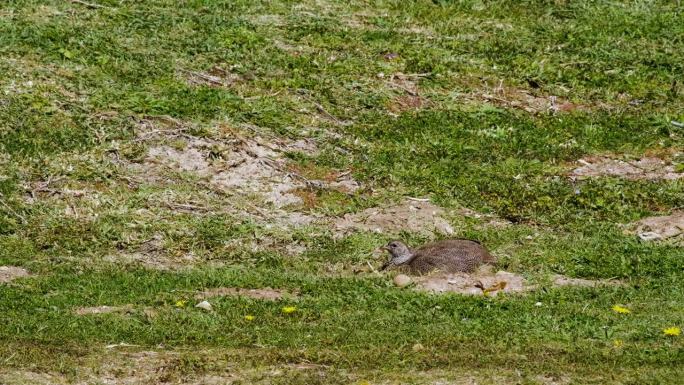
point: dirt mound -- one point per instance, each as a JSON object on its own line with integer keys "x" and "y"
{"x": 661, "y": 227}
{"x": 484, "y": 282}
{"x": 9, "y": 273}
{"x": 413, "y": 216}
{"x": 265, "y": 293}
{"x": 647, "y": 168}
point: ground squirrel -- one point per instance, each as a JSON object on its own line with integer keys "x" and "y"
{"x": 451, "y": 256}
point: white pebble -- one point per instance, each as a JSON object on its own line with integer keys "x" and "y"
{"x": 204, "y": 305}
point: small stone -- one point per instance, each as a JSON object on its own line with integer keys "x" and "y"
{"x": 402, "y": 280}
{"x": 204, "y": 305}
{"x": 418, "y": 347}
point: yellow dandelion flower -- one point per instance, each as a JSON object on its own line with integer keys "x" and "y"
{"x": 181, "y": 303}
{"x": 289, "y": 309}
{"x": 250, "y": 317}
{"x": 621, "y": 309}
{"x": 618, "y": 343}
{"x": 672, "y": 331}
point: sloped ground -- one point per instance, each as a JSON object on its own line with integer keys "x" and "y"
{"x": 157, "y": 155}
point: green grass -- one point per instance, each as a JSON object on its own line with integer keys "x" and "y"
{"x": 79, "y": 80}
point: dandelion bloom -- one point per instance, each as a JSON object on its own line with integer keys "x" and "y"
{"x": 180, "y": 303}
{"x": 618, "y": 343}
{"x": 249, "y": 317}
{"x": 672, "y": 331}
{"x": 621, "y": 309}
{"x": 289, "y": 309}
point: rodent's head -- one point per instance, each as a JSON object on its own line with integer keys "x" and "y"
{"x": 399, "y": 254}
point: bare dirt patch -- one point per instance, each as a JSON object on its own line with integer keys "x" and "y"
{"x": 661, "y": 227}
{"x": 485, "y": 282}
{"x": 265, "y": 293}
{"x": 239, "y": 165}
{"x": 104, "y": 309}
{"x": 10, "y": 273}
{"x": 252, "y": 171}
{"x": 414, "y": 216}
{"x": 646, "y": 168}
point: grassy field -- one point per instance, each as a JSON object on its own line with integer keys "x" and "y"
{"x": 484, "y": 105}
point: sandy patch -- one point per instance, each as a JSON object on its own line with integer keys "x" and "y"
{"x": 413, "y": 216}
{"x": 647, "y": 168}
{"x": 661, "y": 227}
{"x": 10, "y": 273}
{"x": 190, "y": 159}
{"x": 104, "y": 309}
{"x": 485, "y": 282}
{"x": 265, "y": 293}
